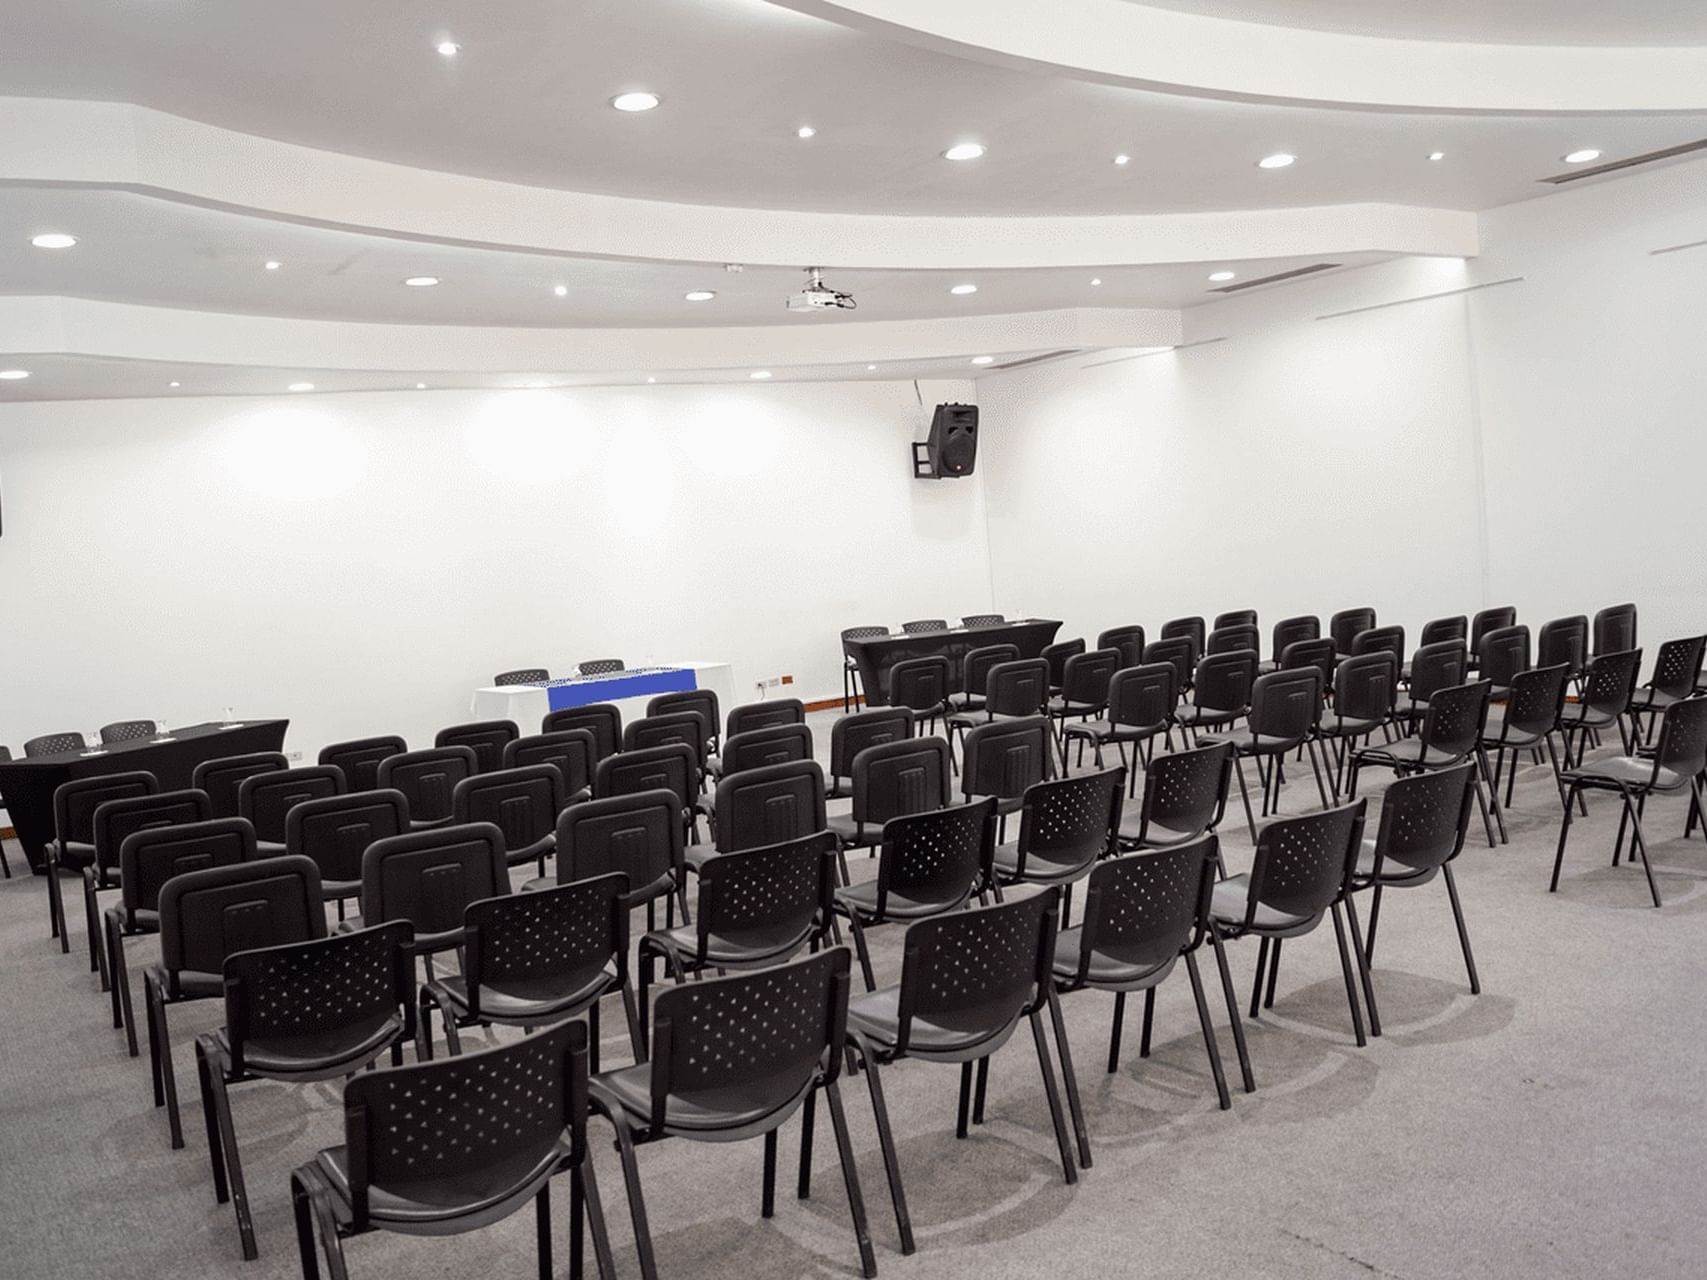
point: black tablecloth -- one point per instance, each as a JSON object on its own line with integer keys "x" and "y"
{"x": 27, "y": 786}
{"x": 877, "y": 655}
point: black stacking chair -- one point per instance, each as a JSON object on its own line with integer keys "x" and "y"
{"x": 219, "y": 778}
{"x": 53, "y": 744}
{"x": 924, "y": 626}
{"x": 486, "y": 738}
{"x": 147, "y": 860}
{"x": 207, "y": 916}
{"x": 1614, "y": 630}
{"x": 672, "y": 768}
{"x": 893, "y": 780}
{"x": 1141, "y": 916}
{"x": 733, "y": 1059}
{"x": 428, "y": 878}
{"x": 1318, "y": 653}
{"x": 334, "y": 832}
{"x": 1365, "y": 688}
{"x": 1676, "y": 765}
{"x": 599, "y": 667}
{"x": 850, "y": 669}
{"x": 921, "y": 685}
{"x": 359, "y": 759}
{"x": 1439, "y": 631}
{"x": 73, "y": 845}
{"x": 1608, "y": 685}
{"x": 1532, "y": 709}
{"x": 266, "y": 798}
{"x": 1504, "y": 654}
{"x": 975, "y": 670}
{"x": 1084, "y": 692}
{"x": 1345, "y": 625}
{"x": 967, "y": 981}
{"x": 1189, "y": 629}
{"x": 1380, "y": 640}
{"x": 1285, "y": 713}
{"x": 128, "y": 731}
{"x": 982, "y": 620}
{"x": 114, "y": 820}
{"x": 1185, "y": 797}
{"x": 1220, "y": 695}
{"x": 638, "y": 836}
{"x": 762, "y": 807}
{"x": 1564, "y": 641}
{"x": 501, "y": 1123}
{"x": 572, "y": 752}
{"x": 1056, "y": 655}
{"x": 763, "y": 715}
{"x": 1128, "y": 640}
{"x": 522, "y": 803}
{"x": 522, "y": 675}
{"x": 1677, "y": 671}
{"x": 929, "y": 864}
{"x": 428, "y": 779}
{"x": 1452, "y": 732}
{"x": 1234, "y": 618}
{"x": 1289, "y": 631}
{"x": 601, "y": 719}
{"x": 297, "y": 1013}
{"x": 703, "y": 701}
{"x": 1012, "y": 690}
{"x": 1230, "y": 639}
{"x": 1486, "y": 621}
{"x": 1180, "y": 652}
{"x": 852, "y": 734}
{"x": 779, "y": 744}
{"x": 1424, "y": 819}
{"x": 532, "y": 959}
{"x": 1302, "y": 871}
{"x": 1141, "y": 703}
{"x": 5, "y": 866}
{"x": 1066, "y": 826}
{"x": 1442, "y": 665}
{"x": 1003, "y": 759}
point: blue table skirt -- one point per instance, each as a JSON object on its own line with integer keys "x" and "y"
{"x": 645, "y": 683}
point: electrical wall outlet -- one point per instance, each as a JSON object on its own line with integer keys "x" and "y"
{"x": 775, "y": 682}
{"x": 295, "y": 757}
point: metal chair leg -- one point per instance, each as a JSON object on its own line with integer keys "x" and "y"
{"x": 850, "y": 1177}
{"x": 1069, "y": 1078}
{"x": 886, "y": 1141}
{"x": 1564, "y": 835}
{"x": 1208, "y": 1031}
{"x": 1068, "y": 1168}
{"x": 1362, "y": 967}
{"x": 1350, "y": 982}
{"x": 1233, "y": 1012}
{"x": 1463, "y": 933}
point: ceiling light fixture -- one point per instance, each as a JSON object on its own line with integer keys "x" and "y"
{"x": 638, "y": 101}
{"x": 1123, "y": 159}
{"x": 759, "y": 375}
{"x": 301, "y": 386}
{"x": 1221, "y": 277}
{"x": 871, "y": 368}
{"x": 1279, "y": 160}
{"x": 274, "y": 266}
{"x": 983, "y": 359}
{"x": 700, "y": 295}
{"x": 806, "y": 131}
{"x": 421, "y": 282}
{"x": 14, "y": 375}
{"x": 1095, "y": 280}
{"x": 1437, "y": 155}
{"x": 561, "y": 290}
{"x": 1583, "y": 156}
{"x": 448, "y": 48}
{"x": 964, "y": 151}
{"x": 961, "y": 290}
{"x": 53, "y": 240}
{"x": 651, "y": 379}
{"x": 174, "y": 384}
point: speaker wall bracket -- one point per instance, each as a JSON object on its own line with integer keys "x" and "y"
{"x": 923, "y": 467}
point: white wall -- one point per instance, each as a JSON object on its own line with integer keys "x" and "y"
{"x": 359, "y": 563}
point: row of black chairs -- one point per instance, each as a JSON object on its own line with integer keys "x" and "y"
{"x": 540, "y": 675}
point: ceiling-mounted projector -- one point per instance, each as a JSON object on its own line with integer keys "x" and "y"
{"x": 818, "y": 296}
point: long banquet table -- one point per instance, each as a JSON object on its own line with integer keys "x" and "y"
{"x": 876, "y": 656}
{"x": 631, "y": 690}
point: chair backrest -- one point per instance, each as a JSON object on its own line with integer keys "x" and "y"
{"x": 335, "y": 831}
{"x": 639, "y": 836}
{"x": 1145, "y": 911}
{"x": 557, "y": 939}
{"x": 770, "y": 804}
{"x": 359, "y": 759}
{"x": 1288, "y": 631}
{"x": 265, "y": 798}
{"x": 1069, "y": 823}
{"x": 486, "y": 738}
{"x": 768, "y": 1033}
{"x": 301, "y": 991}
{"x": 1224, "y": 680}
{"x": 52, "y": 744}
{"x": 1610, "y": 680}
{"x": 1085, "y": 680}
{"x": 980, "y": 970}
{"x": 894, "y": 779}
{"x": 1380, "y": 640}
{"x": 936, "y": 860}
{"x": 1056, "y": 655}
{"x": 975, "y": 670}
{"x": 1563, "y": 640}
{"x": 1453, "y": 628}
{"x": 1503, "y": 653}
{"x": 208, "y": 915}
{"x": 1682, "y": 747}
{"x": 1192, "y": 629}
{"x": 1304, "y": 865}
{"x": 1179, "y": 652}
{"x": 522, "y": 675}
{"x": 428, "y": 778}
{"x": 219, "y": 777}
{"x": 523, "y": 803}
{"x": 672, "y": 768}
{"x": 1005, "y": 757}
{"x": 1287, "y": 704}
{"x": 1344, "y": 626}
{"x": 1185, "y": 792}
{"x": 116, "y": 819}
{"x": 919, "y": 683}
{"x": 1455, "y": 719}
{"x": 1438, "y": 666}
{"x": 982, "y": 620}
{"x": 1486, "y": 620}
{"x": 703, "y": 701}
{"x": 923, "y": 626}
{"x": 852, "y": 734}
{"x": 1677, "y": 670}
{"x": 599, "y": 667}
{"x": 1366, "y": 687}
{"x": 863, "y": 633}
{"x": 1424, "y": 818}
{"x": 1318, "y": 653}
{"x": 601, "y": 719}
{"x": 778, "y": 744}
{"x": 769, "y": 899}
{"x": 1536, "y": 699}
{"x": 1128, "y": 640}
{"x": 1234, "y": 618}
{"x": 1230, "y": 639}
{"x": 763, "y": 715}
{"x": 1017, "y": 688}
{"x": 1615, "y": 629}
{"x": 128, "y": 730}
{"x": 1143, "y": 697}
{"x": 492, "y": 1113}
{"x": 572, "y": 752}
{"x": 75, "y": 802}
{"x": 152, "y": 856}
{"x": 429, "y": 877}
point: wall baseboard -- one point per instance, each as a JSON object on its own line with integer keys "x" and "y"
{"x": 830, "y": 704}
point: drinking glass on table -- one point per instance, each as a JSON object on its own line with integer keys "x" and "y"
{"x": 94, "y": 740}
{"x": 161, "y": 732}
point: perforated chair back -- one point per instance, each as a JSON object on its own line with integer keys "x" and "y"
{"x": 1005, "y": 757}
{"x": 1191, "y": 629}
{"x": 767, "y": 901}
{"x": 1536, "y": 699}
{"x": 671, "y": 768}
{"x": 1503, "y": 654}
{"x": 1380, "y": 640}
{"x": 572, "y": 752}
{"x": 53, "y": 744}
{"x": 864, "y": 633}
{"x": 1185, "y": 792}
{"x": 982, "y": 620}
{"x": 360, "y": 758}
{"x": 769, "y": 805}
{"x": 1367, "y": 686}
{"x": 1488, "y": 620}
{"x": 1439, "y": 629}
{"x": 763, "y": 715}
{"x": 924, "y": 626}
{"x": 601, "y": 719}
{"x": 1179, "y": 652}
{"x": 429, "y": 877}
{"x": 1233, "y": 638}
{"x": 1286, "y": 704}
{"x": 1615, "y": 629}
{"x": 208, "y": 915}
{"x": 1085, "y": 681}
{"x": 936, "y": 860}
{"x": 150, "y": 857}
{"x": 779, "y": 744}
{"x": 335, "y": 831}
{"x": 1142, "y": 912}
{"x": 75, "y": 802}
{"x": 1235, "y": 618}
{"x": 1677, "y": 670}
{"x": 1143, "y": 697}
{"x": 1304, "y": 865}
{"x": 975, "y": 671}
{"x": 1563, "y": 640}
{"x": 1128, "y": 640}
{"x": 1056, "y": 656}
{"x": 599, "y": 666}
{"x": 554, "y": 942}
{"x": 1069, "y": 823}
{"x": 638, "y": 836}
{"x": 1424, "y": 818}
{"x": 522, "y": 675}
{"x": 1682, "y": 747}
{"x": 852, "y": 734}
{"x": 428, "y": 778}
{"x": 895, "y": 779}
{"x": 1017, "y": 688}
{"x": 1455, "y": 719}
{"x": 486, "y": 738}
{"x": 116, "y": 819}
{"x": 920, "y": 684}
{"x": 128, "y": 731}
{"x": 1318, "y": 653}
{"x": 266, "y": 798}
{"x": 1344, "y": 626}
{"x": 1609, "y": 682}
{"x": 523, "y": 803}
{"x": 1224, "y": 681}
{"x": 1438, "y": 666}
{"x": 220, "y": 777}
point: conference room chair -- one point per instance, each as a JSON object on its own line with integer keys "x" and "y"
{"x": 599, "y": 667}
{"x": 975, "y": 672}
{"x": 574, "y": 753}
{"x": 1424, "y": 820}
{"x": 486, "y": 738}
{"x": 893, "y": 780}
{"x": 1485, "y": 621}
{"x": 924, "y": 626}
{"x": 1343, "y": 628}
{"x": 851, "y": 691}
{"x": 128, "y": 731}
{"x": 1438, "y": 631}
{"x": 637, "y": 836}
{"x": 333, "y": 832}
{"x": 534, "y": 959}
{"x": 766, "y": 806}
{"x": 1229, "y": 639}
{"x": 1003, "y": 759}
{"x": 1614, "y": 629}
{"x": 73, "y": 845}
{"x": 1388, "y": 639}
{"x": 207, "y": 916}
{"x": 522, "y": 675}
{"x": 428, "y": 878}
{"x": 1532, "y": 708}
{"x": 1141, "y": 703}
{"x": 1083, "y": 694}
{"x": 1185, "y": 798}
{"x": 1675, "y": 765}
{"x": 601, "y": 719}
{"x": 1129, "y": 640}
{"x": 672, "y": 768}
{"x": 1220, "y": 693}
{"x": 762, "y": 715}
{"x": 1290, "y": 631}
{"x": 359, "y": 758}
{"x": 1066, "y": 826}
{"x": 982, "y": 620}
{"x": 732, "y": 1059}
{"x": 1191, "y": 629}
{"x": 113, "y": 821}
{"x": 1012, "y": 690}
{"x": 1607, "y": 687}
{"x": 147, "y": 860}
{"x": 5, "y": 865}
{"x": 523, "y": 803}
{"x": 968, "y": 979}
{"x": 1056, "y": 656}
{"x": 266, "y": 798}
{"x": 53, "y": 744}
{"x": 1366, "y": 689}
{"x": 219, "y": 778}
{"x": 427, "y": 779}
{"x": 851, "y": 734}
{"x": 503, "y": 1122}
{"x": 1444, "y": 664}
{"x": 1563, "y": 641}
{"x": 1302, "y": 872}
{"x": 680, "y": 728}
{"x": 1677, "y": 670}
{"x": 296, "y": 1014}
{"x": 703, "y": 701}
{"x": 928, "y": 864}
{"x": 920, "y": 685}
{"x": 1503, "y": 655}
{"x": 1452, "y": 732}
{"x": 1234, "y": 618}
{"x": 1142, "y": 916}
{"x": 1318, "y": 653}
{"x": 754, "y": 748}
{"x": 1285, "y": 713}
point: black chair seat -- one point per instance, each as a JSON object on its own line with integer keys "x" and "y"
{"x": 722, "y": 951}
{"x": 524, "y": 1001}
{"x": 966, "y": 701}
{"x": 877, "y": 1016}
{"x": 1346, "y": 727}
{"x": 1651, "y": 700}
{"x": 1227, "y": 905}
{"x": 1580, "y": 715}
{"x": 862, "y": 898}
{"x": 733, "y": 1108}
{"x": 270, "y": 849}
{"x": 1392, "y": 871}
{"x": 1105, "y": 970}
{"x": 1107, "y": 731}
{"x": 74, "y": 855}
{"x": 316, "y": 1056}
{"x": 431, "y": 1206}
{"x": 332, "y": 890}
{"x": 1406, "y": 751}
{"x": 193, "y": 985}
{"x": 841, "y": 787}
{"x": 1499, "y": 734}
{"x": 1038, "y": 870}
{"x": 852, "y": 834}
{"x": 544, "y": 847}
{"x": 1205, "y": 717}
{"x": 1004, "y": 804}
{"x": 1157, "y": 837}
{"x": 1063, "y": 707}
{"x": 1259, "y": 744}
{"x": 1632, "y": 771}
{"x": 1406, "y": 707}
{"x": 424, "y": 942}
{"x": 972, "y": 719}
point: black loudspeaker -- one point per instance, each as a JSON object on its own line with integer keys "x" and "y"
{"x": 952, "y": 449}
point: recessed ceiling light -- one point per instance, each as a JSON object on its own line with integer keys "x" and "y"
{"x": 759, "y": 375}
{"x": 420, "y": 386}
{"x": 640, "y": 101}
{"x": 1096, "y": 280}
{"x": 806, "y": 131}
{"x": 964, "y": 151}
{"x": 964, "y": 289}
{"x": 983, "y": 359}
{"x": 871, "y": 368}
{"x": 301, "y": 386}
{"x": 700, "y": 295}
{"x": 58, "y": 240}
{"x": 274, "y": 266}
{"x": 651, "y": 379}
{"x": 1583, "y": 156}
{"x": 1123, "y": 159}
{"x": 421, "y": 282}
{"x": 448, "y": 48}
{"x": 1437, "y": 155}
{"x": 174, "y": 384}
{"x": 14, "y": 375}
{"x": 1220, "y": 277}
{"x": 561, "y": 290}
{"x": 1279, "y": 160}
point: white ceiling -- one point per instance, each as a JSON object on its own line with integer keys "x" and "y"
{"x": 1535, "y": 22}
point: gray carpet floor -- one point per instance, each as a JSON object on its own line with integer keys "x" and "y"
{"x": 1553, "y": 1126}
